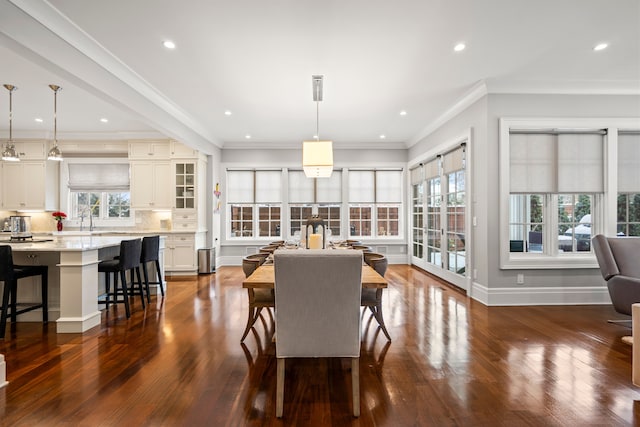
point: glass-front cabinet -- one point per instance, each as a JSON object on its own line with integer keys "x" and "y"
{"x": 185, "y": 189}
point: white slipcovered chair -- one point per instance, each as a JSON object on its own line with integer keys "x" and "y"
{"x": 318, "y": 310}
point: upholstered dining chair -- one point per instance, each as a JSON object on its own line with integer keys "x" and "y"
{"x": 372, "y": 298}
{"x": 318, "y": 311}
{"x": 363, "y": 248}
{"x": 258, "y": 298}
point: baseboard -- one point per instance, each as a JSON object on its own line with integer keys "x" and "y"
{"x": 583, "y": 295}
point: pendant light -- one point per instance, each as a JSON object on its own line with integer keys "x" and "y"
{"x": 317, "y": 156}
{"x": 9, "y": 152}
{"x": 54, "y": 152}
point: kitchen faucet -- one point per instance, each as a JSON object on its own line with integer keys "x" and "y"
{"x": 88, "y": 210}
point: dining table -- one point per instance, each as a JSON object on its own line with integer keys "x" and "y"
{"x": 265, "y": 277}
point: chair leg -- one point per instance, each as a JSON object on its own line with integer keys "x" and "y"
{"x": 45, "y": 297}
{"x": 14, "y": 301}
{"x": 146, "y": 281}
{"x": 159, "y": 273}
{"x": 125, "y": 292}
{"x": 136, "y": 271}
{"x": 355, "y": 385}
{"x": 250, "y": 321}
{"x": 378, "y": 314}
{"x": 279, "y": 387}
{"x": 6, "y": 295}
{"x": 107, "y": 289}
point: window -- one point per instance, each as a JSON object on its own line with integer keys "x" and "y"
{"x": 322, "y": 196}
{"x": 100, "y": 188}
{"x": 566, "y": 170}
{"x": 254, "y": 199}
{"x": 375, "y": 198}
{"x": 628, "y": 207}
{"x": 562, "y": 182}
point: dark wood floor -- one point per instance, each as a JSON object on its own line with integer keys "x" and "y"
{"x": 452, "y": 362}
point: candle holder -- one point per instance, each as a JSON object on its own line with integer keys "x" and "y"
{"x": 315, "y": 226}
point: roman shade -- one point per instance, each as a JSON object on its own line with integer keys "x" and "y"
{"x": 389, "y": 186}
{"x": 628, "y": 162}
{"x": 99, "y": 177}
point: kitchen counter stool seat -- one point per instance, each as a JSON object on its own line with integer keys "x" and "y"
{"x": 128, "y": 260}
{"x": 9, "y": 274}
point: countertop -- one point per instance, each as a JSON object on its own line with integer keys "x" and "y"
{"x": 67, "y": 243}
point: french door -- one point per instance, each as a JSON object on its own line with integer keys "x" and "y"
{"x": 439, "y": 217}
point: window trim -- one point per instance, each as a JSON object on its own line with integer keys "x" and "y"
{"x": 604, "y": 210}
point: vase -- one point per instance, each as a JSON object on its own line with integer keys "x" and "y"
{"x": 59, "y": 225}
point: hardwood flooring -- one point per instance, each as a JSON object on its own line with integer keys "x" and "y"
{"x": 452, "y": 362}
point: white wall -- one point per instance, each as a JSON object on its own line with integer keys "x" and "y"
{"x": 494, "y": 286}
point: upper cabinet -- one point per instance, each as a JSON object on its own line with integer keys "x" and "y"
{"x": 31, "y": 150}
{"x": 179, "y": 150}
{"x": 150, "y": 184}
{"x": 185, "y": 185}
{"x": 30, "y": 185}
{"x": 149, "y": 150}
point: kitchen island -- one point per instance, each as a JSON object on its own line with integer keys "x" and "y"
{"x": 73, "y": 275}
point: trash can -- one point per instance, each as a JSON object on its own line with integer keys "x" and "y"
{"x": 206, "y": 260}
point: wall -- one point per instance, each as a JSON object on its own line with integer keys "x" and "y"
{"x": 492, "y": 285}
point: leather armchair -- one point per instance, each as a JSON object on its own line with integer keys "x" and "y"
{"x": 620, "y": 267}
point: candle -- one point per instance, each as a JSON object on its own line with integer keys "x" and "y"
{"x": 315, "y": 241}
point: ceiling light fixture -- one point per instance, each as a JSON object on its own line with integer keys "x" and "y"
{"x": 383, "y": 136}
{"x": 104, "y": 120}
{"x": 169, "y": 44}
{"x": 9, "y": 153}
{"x": 39, "y": 120}
{"x": 54, "y": 152}
{"x": 247, "y": 136}
{"x": 459, "y": 47}
{"x": 317, "y": 156}
{"x": 600, "y": 46}
{"x": 403, "y": 113}
{"x": 227, "y": 113}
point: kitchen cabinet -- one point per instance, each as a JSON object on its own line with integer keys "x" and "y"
{"x": 150, "y": 184}
{"x": 179, "y": 150}
{"x": 31, "y": 150}
{"x": 149, "y": 150}
{"x": 180, "y": 253}
{"x": 185, "y": 185}
{"x": 30, "y": 185}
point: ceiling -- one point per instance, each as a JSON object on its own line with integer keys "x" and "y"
{"x": 256, "y": 58}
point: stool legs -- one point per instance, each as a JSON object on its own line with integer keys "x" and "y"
{"x": 6, "y": 294}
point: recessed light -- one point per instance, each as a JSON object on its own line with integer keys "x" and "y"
{"x": 227, "y": 113}
{"x": 38, "y": 119}
{"x": 104, "y": 120}
{"x": 459, "y": 47}
{"x": 403, "y": 113}
{"x": 169, "y": 44}
{"x": 383, "y": 136}
{"x": 247, "y": 136}
{"x": 600, "y": 46}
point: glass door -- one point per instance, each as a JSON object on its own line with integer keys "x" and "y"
{"x": 417, "y": 223}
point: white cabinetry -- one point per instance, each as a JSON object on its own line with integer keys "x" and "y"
{"x": 150, "y": 184}
{"x": 180, "y": 253}
{"x": 31, "y": 150}
{"x": 149, "y": 150}
{"x": 30, "y": 185}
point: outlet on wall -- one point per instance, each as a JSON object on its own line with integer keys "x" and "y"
{"x": 520, "y": 279}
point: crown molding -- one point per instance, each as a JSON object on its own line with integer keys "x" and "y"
{"x": 85, "y": 136}
{"x": 297, "y": 145}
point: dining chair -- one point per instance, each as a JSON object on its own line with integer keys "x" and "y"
{"x": 9, "y": 275}
{"x": 363, "y": 248}
{"x": 317, "y": 295}
{"x": 128, "y": 260}
{"x": 258, "y": 298}
{"x": 372, "y": 298}
{"x": 368, "y": 255}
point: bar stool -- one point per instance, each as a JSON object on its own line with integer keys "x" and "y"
{"x": 151, "y": 253}
{"x": 129, "y": 259}
{"x": 9, "y": 274}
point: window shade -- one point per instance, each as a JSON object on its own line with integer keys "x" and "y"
{"x": 532, "y": 163}
{"x": 628, "y": 163}
{"x": 240, "y": 186}
{"x": 431, "y": 169}
{"x": 452, "y": 161}
{"x": 300, "y": 187}
{"x": 99, "y": 176}
{"x": 269, "y": 186}
{"x": 580, "y": 163}
{"x": 361, "y": 186}
{"x": 329, "y": 190}
{"x": 389, "y": 186}
{"x": 416, "y": 175}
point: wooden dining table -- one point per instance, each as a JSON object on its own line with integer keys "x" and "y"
{"x": 265, "y": 277}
